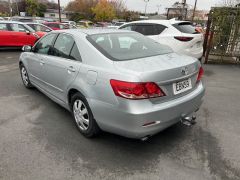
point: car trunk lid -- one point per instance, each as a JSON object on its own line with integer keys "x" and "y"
{"x": 164, "y": 70}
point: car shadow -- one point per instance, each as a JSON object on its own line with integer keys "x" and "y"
{"x": 56, "y": 128}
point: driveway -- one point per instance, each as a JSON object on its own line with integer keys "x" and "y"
{"x": 38, "y": 138}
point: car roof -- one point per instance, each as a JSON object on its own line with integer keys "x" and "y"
{"x": 52, "y": 23}
{"x": 9, "y": 22}
{"x": 163, "y": 22}
{"x": 93, "y": 31}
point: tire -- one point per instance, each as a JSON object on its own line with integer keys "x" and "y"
{"x": 83, "y": 116}
{"x": 25, "y": 77}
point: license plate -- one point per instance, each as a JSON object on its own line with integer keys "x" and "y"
{"x": 182, "y": 86}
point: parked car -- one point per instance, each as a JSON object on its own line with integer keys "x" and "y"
{"x": 102, "y": 24}
{"x": 181, "y": 36}
{"x": 121, "y": 82}
{"x": 39, "y": 27}
{"x": 56, "y": 25}
{"x": 85, "y": 24}
{"x": 71, "y": 23}
{"x": 17, "y": 34}
{"x": 115, "y": 25}
{"x": 21, "y": 19}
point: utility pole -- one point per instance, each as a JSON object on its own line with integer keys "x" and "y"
{"x": 194, "y": 9}
{"x": 17, "y": 7}
{"x": 10, "y": 8}
{"x": 146, "y": 1}
{"x": 59, "y": 11}
{"x": 183, "y": 9}
{"x": 158, "y": 6}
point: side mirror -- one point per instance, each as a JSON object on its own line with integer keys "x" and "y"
{"x": 28, "y": 32}
{"x": 48, "y": 30}
{"x": 27, "y": 48}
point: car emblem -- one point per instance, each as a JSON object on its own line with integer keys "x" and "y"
{"x": 185, "y": 71}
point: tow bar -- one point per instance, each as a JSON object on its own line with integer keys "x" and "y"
{"x": 189, "y": 120}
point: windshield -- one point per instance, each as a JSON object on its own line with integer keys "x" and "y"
{"x": 127, "y": 46}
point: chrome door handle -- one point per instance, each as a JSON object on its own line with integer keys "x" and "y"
{"x": 71, "y": 69}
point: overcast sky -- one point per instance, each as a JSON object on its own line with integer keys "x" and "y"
{"x": 139, "y": 5}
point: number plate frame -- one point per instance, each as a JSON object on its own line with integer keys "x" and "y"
{"x": 182, "y": 86}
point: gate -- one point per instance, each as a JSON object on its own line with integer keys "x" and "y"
{"x": 222, "y": 38}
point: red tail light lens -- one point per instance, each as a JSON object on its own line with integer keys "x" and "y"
{"x": 200, "y": 74}
{"x": 134, "y": 90}
{"x": 183, "y": 38}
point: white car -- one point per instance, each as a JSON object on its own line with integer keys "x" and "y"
{"x": 181, "y": 36}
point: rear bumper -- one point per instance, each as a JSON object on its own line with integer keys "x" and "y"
{"x": 129, "y": 121}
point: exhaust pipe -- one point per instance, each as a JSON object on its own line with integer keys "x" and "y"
{"x": 188, "y": 120}
{"x": 145, "y": 138}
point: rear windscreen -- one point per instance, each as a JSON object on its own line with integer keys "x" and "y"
{"x": 186, "y": 27}
{"x": 127, "y": 46}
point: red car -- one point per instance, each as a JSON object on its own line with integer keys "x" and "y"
{"x": 17, "y": 34}
{"x": 56, "y": 25}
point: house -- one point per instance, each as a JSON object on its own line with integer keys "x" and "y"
{"x": 53, "y": 14}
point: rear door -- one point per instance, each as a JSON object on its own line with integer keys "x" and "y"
{"x": 61, "y": 66}
{"x": 21, "y": 35}
{"x": 6, "y": 35}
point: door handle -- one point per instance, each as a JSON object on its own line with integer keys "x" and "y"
{"x": 42, "y": 62}
{"x": 71, "y": 69}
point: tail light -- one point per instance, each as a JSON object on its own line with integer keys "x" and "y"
{"x": 200, "y": 74}
{"x": 183, "y": 38}
{"x": 136, "y": 90}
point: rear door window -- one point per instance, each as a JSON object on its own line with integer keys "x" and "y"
{"x": 186, "y": 27}
{"x": 75, "y": 55}
{"x": 150, "y": 29}
{"x": 63, "y": 46}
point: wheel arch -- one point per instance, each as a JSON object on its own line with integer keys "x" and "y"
{"x": 71, "y": 92}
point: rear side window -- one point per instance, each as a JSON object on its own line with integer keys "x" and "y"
{"x": 129, "y": 27}
{"x": 63, "y": 46}
{"x": 145, "y": 29}
{"x": 159, "y": 28}
{"x": 186, "y": 27}
{"x": 150, "y": 29}
{"x": 75, "y": 55}
{"x": 3, "y": 27}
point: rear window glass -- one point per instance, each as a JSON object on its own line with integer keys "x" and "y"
{"x": 186, "y": 27}
{"x": 127, "y": 46}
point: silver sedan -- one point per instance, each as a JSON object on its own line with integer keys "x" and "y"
{"x": 114, "y": 80}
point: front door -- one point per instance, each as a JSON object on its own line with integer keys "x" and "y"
{"x": 36, "y": 59}
{"x": 62, "y": 66}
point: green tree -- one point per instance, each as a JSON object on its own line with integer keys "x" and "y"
{"x": 32, "y": 7}
{"x": 104, "y": 11}
{"x": 41, "y": 9}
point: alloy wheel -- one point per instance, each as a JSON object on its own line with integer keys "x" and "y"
{"x": 81, "y": 115}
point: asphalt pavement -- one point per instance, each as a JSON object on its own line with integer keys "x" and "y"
{"x": 38, "y": 138}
